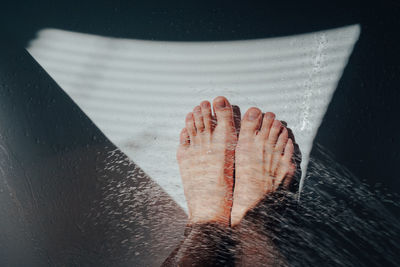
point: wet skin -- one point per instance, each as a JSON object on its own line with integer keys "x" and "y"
{"x": 209, "y": 151}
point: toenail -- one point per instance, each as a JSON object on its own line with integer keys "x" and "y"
{"x": 253, "y": 114}
{"x": 220, "y": 103}
{"x": 197, "y": 109}
{"x": 205, "y": 104}
{"x": 277, "y": 124}
{"x": 269, "y": 116}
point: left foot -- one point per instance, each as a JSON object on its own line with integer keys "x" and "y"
{"x": 206, "y": 161}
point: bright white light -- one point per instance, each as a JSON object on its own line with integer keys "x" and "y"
{"x": 138, "y": 92}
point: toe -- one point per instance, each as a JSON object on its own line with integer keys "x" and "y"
{"x": 207, "y": 116}
{"x": 282, "y": 141}
{"x": 270, "y": 144}
{"x": 184, "y": 142}
{"x": 223, "y": 111}
{"x": 288, "y": 153}
{"x": 184, "y": 138}
{"x": 279, "y": 148}
{"x": 198, "y": 119}
{"x": 289, "y": 176}
{"x": 267, "y": 122}
{"x": 274, "y": 132}
{"x": 286, "y": 168}
{"x": 191, "y": 129}
{"x": 251, "y": 122}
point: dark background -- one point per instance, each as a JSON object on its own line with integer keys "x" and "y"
{"x": 361, "y": 127}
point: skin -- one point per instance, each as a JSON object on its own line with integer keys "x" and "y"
{"x": 206, "y": 158}
{"x": 264, "y": 161}
{"x": 206, "y": 161}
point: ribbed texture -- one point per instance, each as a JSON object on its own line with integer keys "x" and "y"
{"x": 138, "y": 92}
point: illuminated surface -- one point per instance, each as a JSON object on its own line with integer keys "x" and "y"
{"x": 138, "y": 92}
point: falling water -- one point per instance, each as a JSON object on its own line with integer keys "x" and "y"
{"x": 339, "y": 221}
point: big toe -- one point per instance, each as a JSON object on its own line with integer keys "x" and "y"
{"x": 223, "y": 111}
{"x": 251, "y": 122}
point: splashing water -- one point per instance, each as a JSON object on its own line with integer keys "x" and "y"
{"x": 339, "y": 220}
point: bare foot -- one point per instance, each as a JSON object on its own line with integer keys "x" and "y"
{"x": 206, "y": 160}
{"x": 264, "y": 161}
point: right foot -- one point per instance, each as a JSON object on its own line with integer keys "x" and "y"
{"x": 264, "y": 161}
{"x": 206, "y": 161}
